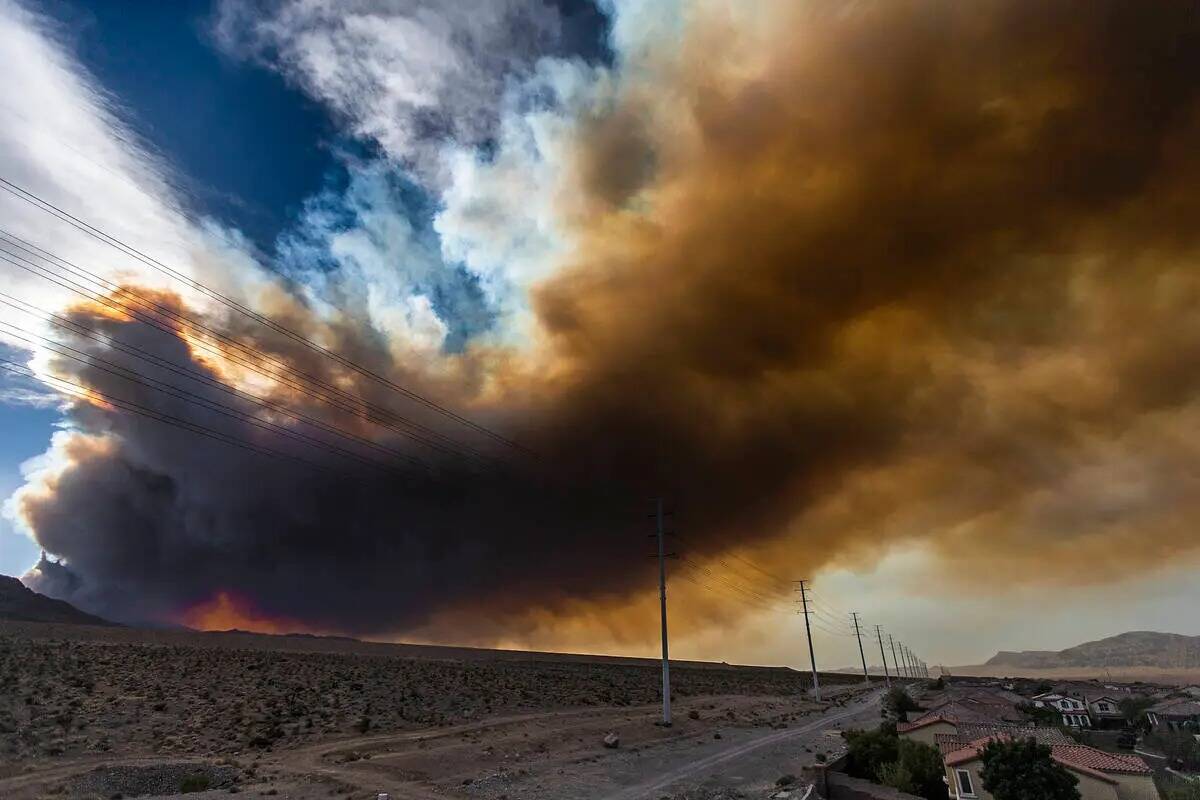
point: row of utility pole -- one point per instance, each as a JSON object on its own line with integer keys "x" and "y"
{"x": 906, "y": 665}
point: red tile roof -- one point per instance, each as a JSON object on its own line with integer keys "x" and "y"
{"x": 928, "y": 719}
{"x": 1078, "y": 757}
{"x": 1084, "y": 756}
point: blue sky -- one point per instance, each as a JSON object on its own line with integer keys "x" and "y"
{"x": 26, "y": 431}
{"x": 245, "y": 147}
{"x": 419, "y": 172}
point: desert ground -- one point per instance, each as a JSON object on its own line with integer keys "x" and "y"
{"x": 88, "y": 712}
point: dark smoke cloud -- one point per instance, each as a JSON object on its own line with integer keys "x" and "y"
{"x": 905, "y": 271}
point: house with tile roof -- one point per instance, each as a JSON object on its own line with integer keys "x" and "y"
{"x": 1176, "y": 713}
{"x": 964, "y": 710}
{"x": 949, "y": 742}
{"x": 1074, "y": 710}
{"x": 1101, "y": 775}
{"x": 1104, "y": 710}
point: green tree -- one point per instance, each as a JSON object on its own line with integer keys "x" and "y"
{"x": 918, "y": 770}
{"x": 1134, "y": 709}
{"x": 1180, "y": 747}
{"x": 1181, "y": 790}
{"x": 898, "y": 703}
{"x": 867, "y": 751}
{"x": 1023, "y": 770}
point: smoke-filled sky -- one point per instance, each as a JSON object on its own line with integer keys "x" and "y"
{"x": 415, "y": 306}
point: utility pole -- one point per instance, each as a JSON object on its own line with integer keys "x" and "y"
{"x": 812, "y": 658}
{"x": 662, "y": 602}
{"x": 858, "y": 633}
{"x": 886, "y": 676}
{"x": 892, "y": 642}
{"x": 907, "y": 656}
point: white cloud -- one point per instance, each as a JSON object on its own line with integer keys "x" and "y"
{"x": 507, "y": 216}
{"x": 358, "y": 253}
{"x": 408, "y": 74}
{"x": 62, "y": 139}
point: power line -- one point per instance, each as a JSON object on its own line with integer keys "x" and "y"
{"x": 726, "y": 587}
{"x": 197, "y": 376}
{"x": 328, "y": 393}
{"x": 86, "y": 393}
{"x": 175, "y": 317}
{"x": 104, "y": 365}
{"x": 117, "y": 244}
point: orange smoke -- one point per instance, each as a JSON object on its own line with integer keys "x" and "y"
{"x": 227, "y": 611}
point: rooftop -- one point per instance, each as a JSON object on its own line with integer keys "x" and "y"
{"x": 1078, "y": 757}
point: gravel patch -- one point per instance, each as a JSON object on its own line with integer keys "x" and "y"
{"x": 161, "y": 779}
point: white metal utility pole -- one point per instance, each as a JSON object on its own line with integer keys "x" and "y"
{"x": 812, "y": 659}
{"x": 892, "y": 642}
{"x": 862, "y": 655}
{"x": 662, "y": 602}
{"x": 886, "y": 676}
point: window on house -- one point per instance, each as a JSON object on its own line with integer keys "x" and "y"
{"x": 965, "y": 789}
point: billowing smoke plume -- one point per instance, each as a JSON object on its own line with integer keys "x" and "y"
{"x": 840, "y": 275}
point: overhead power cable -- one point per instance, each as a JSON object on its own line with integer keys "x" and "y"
{"x": 153, "y": 263}
{"x": 324, "y": 391}
{"x": 698, "y": 577}
{"x": 87, "y": 393}
{"x": 131, "y": 376}
{"x": 197, "y": 376}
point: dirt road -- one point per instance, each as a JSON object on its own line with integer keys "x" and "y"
{"x": 731, "y": 741}
{"x": 731, "y": 757}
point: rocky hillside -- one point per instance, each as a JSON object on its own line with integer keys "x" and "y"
{"x": 1133, "y": 649}
{"x": 20, "y": 603}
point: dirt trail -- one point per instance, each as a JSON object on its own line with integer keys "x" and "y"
{"x": 654, "y": 758}
{"x": 693, "y": 768}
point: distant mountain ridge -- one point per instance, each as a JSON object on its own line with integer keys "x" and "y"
{"x": 18, "y": 602}
{"x": 1132, "y": 649}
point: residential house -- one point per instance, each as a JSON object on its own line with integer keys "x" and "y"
{"x": 1101, "y": 775}
{"x": 1176, "y": 713}
{"x": 946, "y": 719}
{"x": 967, "y": 733}
{"x": 1074, "y": 710}
{"x": 1104, "y": 711}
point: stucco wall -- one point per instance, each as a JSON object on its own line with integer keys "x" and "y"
{"x": 1136, "y": 787}
{"x": 926, "y": 733}
{"x": 1089, "y": 788}
{"x": 972, "y": 767}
